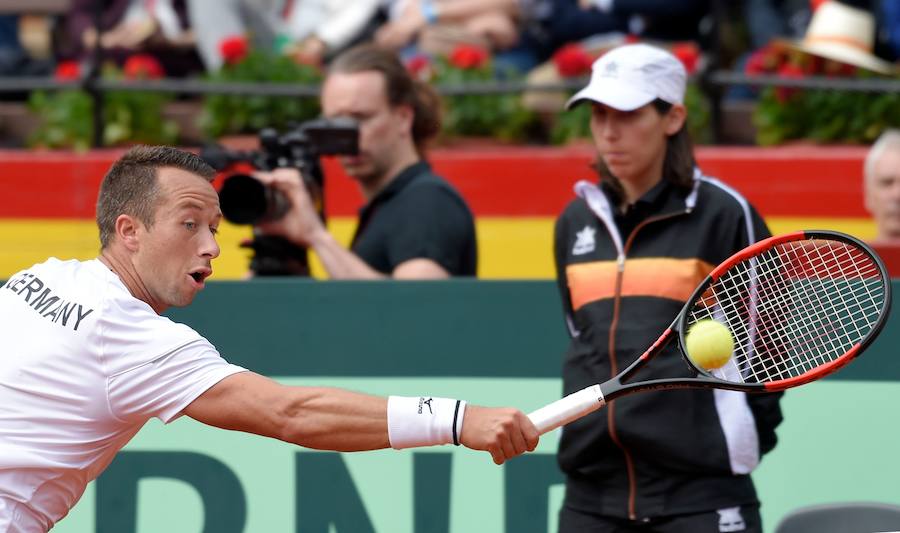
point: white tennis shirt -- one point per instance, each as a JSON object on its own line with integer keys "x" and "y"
{"x": 83, "y": 365}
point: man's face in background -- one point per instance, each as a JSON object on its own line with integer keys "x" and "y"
{"x": 882, "y": 194}
{"x": 382, "y": 128}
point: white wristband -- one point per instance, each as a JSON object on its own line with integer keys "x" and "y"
{"x": 424, "y": 421}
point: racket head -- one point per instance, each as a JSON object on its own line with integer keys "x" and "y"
{"x": 798, "y": 306}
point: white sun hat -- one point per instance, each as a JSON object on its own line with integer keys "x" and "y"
{"x": 845, "y": 34}
{"x": 633, "y": 75}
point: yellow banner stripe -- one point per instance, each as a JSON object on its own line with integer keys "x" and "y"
{"x": 508, "y": 247}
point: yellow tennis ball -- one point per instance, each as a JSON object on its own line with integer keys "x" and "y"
{"x": 709, "y": 344}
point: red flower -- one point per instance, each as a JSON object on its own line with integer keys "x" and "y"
{"x": 572, "y": 61}
{"x": 68, "y": 70}
{"x": 688, "y": 54}
{"x": 756, "y": 64}
{"x": 420, "y": 67}
{"x": 142, "y": 67}
{"x": 233, "y": 49}
{"x": 816, "y": 4}
{"x": 788, "y": 70}
{"x": 467, "y": 56}
{"x": 765, "y": 60}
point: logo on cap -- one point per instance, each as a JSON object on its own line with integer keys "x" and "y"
{"x": 611, "y": 70}
{"x": 652, "y": 69}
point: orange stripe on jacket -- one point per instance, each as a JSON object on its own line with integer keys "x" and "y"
{"x": 674, "y": 279}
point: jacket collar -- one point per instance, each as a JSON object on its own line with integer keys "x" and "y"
{"x": 676, "y": 202}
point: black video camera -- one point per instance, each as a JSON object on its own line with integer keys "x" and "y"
{"x": 246, "y": 200}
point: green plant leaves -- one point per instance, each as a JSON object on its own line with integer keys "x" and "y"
{"x": 67, "y": 118}
{"x": 501, "y": 116}
{"x": 225, "y": 114}
{"x": 825, "y": 116}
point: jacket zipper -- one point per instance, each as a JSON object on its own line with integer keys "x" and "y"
{"x": 610, "y": 416}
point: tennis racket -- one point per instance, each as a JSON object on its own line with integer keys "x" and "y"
{"x": 798, "y": 306}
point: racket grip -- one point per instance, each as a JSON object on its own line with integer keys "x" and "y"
{"x": 567, "y": 409}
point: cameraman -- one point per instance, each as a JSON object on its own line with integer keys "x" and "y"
{"x": 415, "y": 225}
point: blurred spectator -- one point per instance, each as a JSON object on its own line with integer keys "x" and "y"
{"x": 837, "y": 31}
{"x": 882, "y": 185}
{"x": 766, "y": 21}
{"x": 769, "y": 19}
{"x": 16, "y": 57}
{"x": 155, "y": 27}
{"x": 551, "y": 24}
{"x": 415, "y": 225}
{"x": 843, "y": 33}
{"x": 666, "y": 20}
{"x": 658, "y": 20}
{"x": 524, "y": 33}
{"x": 437, "y": 26}
{"x": 312, "y": 30}
{"x": 12, "y": 55}
{"x": 520, "y": 33}
{"x": 889, "y": 32}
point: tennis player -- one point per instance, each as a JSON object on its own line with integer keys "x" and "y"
{"x": 88, "y": 359}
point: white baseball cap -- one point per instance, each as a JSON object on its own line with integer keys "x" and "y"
{"x": 633, "y": 75}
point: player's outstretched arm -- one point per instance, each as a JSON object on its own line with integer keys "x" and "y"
{"x": 336, "y": 419}
{"x": 314, "y": 417}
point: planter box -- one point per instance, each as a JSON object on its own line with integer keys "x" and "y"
{"x": 16, "y": 124}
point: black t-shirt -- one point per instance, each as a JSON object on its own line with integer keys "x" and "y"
{"x": 418, "y": 215}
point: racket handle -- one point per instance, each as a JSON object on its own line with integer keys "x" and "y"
{"x": 567, "y": 409}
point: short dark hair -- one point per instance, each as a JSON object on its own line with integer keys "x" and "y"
{"x": 130, "y": 187}
{"x": 401, "y": 88}
{"x": 678, "y": 166}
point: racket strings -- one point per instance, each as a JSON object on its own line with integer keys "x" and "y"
{"x": 793, "y": 308}
{"x": 823, "y": 298}
{"x": 807, "y": 355}
{"x": 812, "y": 327}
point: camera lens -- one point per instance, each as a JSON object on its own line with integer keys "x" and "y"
{"x": 246, "y": 200}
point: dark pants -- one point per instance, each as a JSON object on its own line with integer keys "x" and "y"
{"x": 744, "y": 519}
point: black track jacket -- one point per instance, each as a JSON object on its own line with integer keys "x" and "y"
{"x": 653, "y": 453}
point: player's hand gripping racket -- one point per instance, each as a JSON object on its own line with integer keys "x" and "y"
{"x": 798, "y": 307}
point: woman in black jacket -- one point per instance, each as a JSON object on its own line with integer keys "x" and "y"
{"x": 629, "y": 252}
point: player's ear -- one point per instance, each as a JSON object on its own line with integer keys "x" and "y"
{"x": 127, "y": 231}
{"x": 675, "y": 119}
